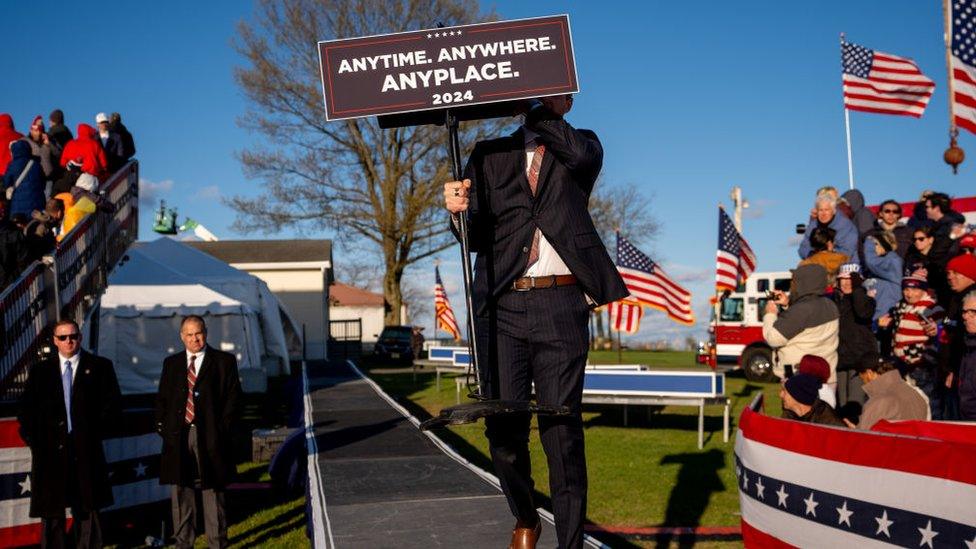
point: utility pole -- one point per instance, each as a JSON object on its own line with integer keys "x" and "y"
{"x": 738, "y": 205}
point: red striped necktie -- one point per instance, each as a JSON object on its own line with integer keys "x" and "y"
{"x": 534, "y": 185}
{"x": 191, "y": 380}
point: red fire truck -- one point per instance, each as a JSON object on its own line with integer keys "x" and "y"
{"x": 735, "y": 332}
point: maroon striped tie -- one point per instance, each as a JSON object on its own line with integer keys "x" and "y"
{"x": 191, "y": 380}
{"x": 534, "y": 185}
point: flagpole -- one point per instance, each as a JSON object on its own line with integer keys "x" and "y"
{"x": 847, "y": 125}
{"x": 433, "y": 332}
{"x": 947, "y": 17}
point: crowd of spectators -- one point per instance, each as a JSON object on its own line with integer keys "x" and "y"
{"x": 51, "y": 180}
{"x": 880, "y": 320}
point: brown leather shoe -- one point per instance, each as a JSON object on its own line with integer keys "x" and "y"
{"x": 525, "y": 537}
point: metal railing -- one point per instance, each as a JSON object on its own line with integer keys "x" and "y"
{"x": 70, "y": 286}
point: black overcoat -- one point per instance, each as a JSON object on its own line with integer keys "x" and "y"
{"x": 217, "y": 398}
{"x": 95, "y": 401}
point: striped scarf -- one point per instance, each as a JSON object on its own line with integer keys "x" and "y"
{"x": 911, "y": 344}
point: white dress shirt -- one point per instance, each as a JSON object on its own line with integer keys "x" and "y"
{"x": 549, "y": 262}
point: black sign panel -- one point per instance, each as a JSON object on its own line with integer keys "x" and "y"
{"x": 447, "y": 67}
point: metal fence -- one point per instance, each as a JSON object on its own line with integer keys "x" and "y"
{"x": 345, "y": 339}
{"x": 70, "y": 286}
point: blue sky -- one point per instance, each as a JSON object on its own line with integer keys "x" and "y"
{"x": 688, "y": 99}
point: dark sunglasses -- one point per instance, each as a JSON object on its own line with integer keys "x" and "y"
{"x": 72, "y": 337}
{"x": 920, "y": 238}
{"x": 891, "y": 211}
{"x": 969, "y": 311}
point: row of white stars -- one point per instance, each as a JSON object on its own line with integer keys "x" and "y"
{"x": 843, "y": 514}
{"x": 442, "y": 34}
{"x": 25, "y": 486}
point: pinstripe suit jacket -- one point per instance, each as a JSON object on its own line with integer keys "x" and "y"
{"x": 503, "y": 214}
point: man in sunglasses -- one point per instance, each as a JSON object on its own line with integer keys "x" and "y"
{"x": 889, "y": 221}
{"x": 68, "y": 405}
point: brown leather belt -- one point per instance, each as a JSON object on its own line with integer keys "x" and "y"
{"x": 527, "y": 283}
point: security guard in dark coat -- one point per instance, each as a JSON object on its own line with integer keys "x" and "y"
{"x": 196, "y": 408}
{"x": 68, "y": 466}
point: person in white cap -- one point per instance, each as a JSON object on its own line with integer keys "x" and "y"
{"x": 857, "y": 342}
{"x": 111, "y": 142}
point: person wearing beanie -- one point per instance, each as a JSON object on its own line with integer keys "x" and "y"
{"x": 801, "y": 403}
{"x": 967, "y": 365}
{"x": 857, "y": 342}
{"x": 961, "y": 276}
{"x": 914, "y": 350}
{"x": 58, "y": 133}
{"x": 41, "y": 148}
{"x": 889, "y": 397}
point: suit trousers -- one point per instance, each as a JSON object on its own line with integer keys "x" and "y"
{"x": 539, "y": 336}
{"x": 86, "y": 525}
{"x": 86, "y": 531}
{"x": 184, "y": 503}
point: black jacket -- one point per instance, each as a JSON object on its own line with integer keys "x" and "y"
{"x": 128, "y": 143}
{"x": 952, "y": 337}
{"x": 935, "y": 263}
{"x": 820, "y": 413}
{"x": 95, "y": 400}
{"x": 503, "y": 214}
{"x": 857, "y": 342}
{"x": 216, "y": 406}
{"x": 114, "y": 150}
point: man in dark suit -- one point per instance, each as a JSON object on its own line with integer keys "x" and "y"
{"x": 68, "y": 404}
{"x": 540, "y": 266}
{"x": 196, "y": 409}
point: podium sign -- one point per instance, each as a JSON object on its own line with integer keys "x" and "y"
{"x": 447, "y": 67}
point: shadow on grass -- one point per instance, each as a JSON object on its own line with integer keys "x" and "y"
{"x": 265, "y": 531}
{"x": 697, "y": 479}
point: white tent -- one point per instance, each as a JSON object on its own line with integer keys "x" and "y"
{"x": 165, "y": 280}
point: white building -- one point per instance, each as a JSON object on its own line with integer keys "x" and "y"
{"x": 298, "y": 272}
{"x": 349, "y": 303}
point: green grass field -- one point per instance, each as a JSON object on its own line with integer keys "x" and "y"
{"x": 649, "y": 473}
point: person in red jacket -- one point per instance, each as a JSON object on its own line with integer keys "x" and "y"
{"x": 86, "y": 151}
{"x": 7, "y": 136}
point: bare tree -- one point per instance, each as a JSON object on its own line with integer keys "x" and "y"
{"x": 620, "y": 208}
{"x": 378, "y": 188}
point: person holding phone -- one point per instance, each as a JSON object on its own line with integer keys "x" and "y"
{"x": 808, "y": 324}
{"x": 913, "y": 345}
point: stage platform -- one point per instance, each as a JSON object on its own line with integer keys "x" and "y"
{"x": 377, "y": 481}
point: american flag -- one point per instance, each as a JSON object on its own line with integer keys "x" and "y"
{"x": 806, "y": 485}
{"x": 625, "y": 315}
{"x": 650, "y": 286}
{"x": 442, "y": 308}
{"x": 133, "y": 465}
{"x": 734, "y": 260}
{"x": 883, "y": 83}
{"x": 963, "y": 62}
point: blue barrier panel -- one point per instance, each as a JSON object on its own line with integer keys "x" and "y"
{"x": 441, "y": 353}
{"x": 462, "y": 358}
{"x": 665, "y": 383}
